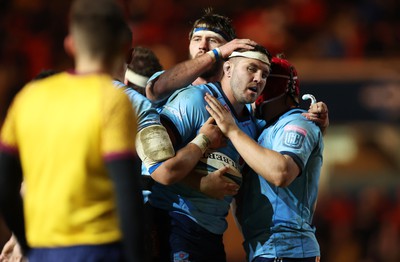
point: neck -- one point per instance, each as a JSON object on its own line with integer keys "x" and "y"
{"x": 85, "y": 65}
{"x": 212, "y": 75}
{"x": 237, "y": 106}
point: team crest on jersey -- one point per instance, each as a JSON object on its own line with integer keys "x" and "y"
{"x": 293, "y": 136}
{"x": 181, "y": 256}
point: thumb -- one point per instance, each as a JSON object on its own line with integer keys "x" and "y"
{"x": 209, "y": 121}
{"x": 221, "y": 170}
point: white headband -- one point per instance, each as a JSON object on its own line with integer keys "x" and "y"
{"x": 135, "y": 78}
{"x": 252, "y": 54}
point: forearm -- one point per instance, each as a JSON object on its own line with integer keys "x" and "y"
{"x": 11, "y": 206}
{"x": 179, "y": 76}
{"x": 125, "y": 175}
{"x": 271, "y": 165}
{"x": 178, "y": 167}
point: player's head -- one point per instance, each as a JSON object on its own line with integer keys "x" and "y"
{"x": 142, "y": 63}
{"x": 99, "y": 30}
{"x": 247, "y": 72}
{"x": 282, "y": 83}
{"x": 208, "y": 32}
{"x": 219, "y": 24}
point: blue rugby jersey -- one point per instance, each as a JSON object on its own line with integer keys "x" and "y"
{"x": 185, "y": 108}
{"x": 147, "y": 115}
{"x": 277, "y": 222}
{"x": 145, "y": 111}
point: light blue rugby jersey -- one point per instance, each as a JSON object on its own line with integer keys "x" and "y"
{"x": 277, "y": 222}
{"x": 160, "y": 103}
{"x": 185, "y": 109}
{"x": 146, "y": 115}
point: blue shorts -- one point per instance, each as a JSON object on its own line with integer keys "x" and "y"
{"x": 85, "y": 253}
{"x": 189, "y": 242}
{"x": 306, "y": 259}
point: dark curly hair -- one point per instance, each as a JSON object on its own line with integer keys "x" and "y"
{"x": 215, "y": 22}
{"x": 143, "y": 61}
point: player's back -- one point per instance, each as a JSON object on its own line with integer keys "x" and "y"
{"x": 59, "y": 123}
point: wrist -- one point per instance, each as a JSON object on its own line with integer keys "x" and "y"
{"x": 202, "y": 141}
{"x": 233, "y": 133}
{"x": 215, "y": 54}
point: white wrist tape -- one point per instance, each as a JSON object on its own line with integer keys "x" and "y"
{"x": 212, "y": 54}
{"x": 202, "y": 141}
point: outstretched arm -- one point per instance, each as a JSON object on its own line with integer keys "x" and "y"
{"x": 184, "y": 73}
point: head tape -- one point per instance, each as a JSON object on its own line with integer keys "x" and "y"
{"x": 253, "y": 55}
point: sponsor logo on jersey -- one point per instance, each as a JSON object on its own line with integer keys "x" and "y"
{"x": 293, "y": 136}
{"x": 221, "y": 157}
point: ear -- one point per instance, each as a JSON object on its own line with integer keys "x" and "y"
{"x": 69, "y": 45}
{"x": 227, "y": 66}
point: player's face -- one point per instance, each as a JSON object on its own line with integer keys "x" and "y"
{"x": 248, "y": 79}
{"x": 204, "y": 41}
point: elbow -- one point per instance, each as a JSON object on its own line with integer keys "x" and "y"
{"x": 279, "y": 179}
{"x": 158, "y": 89}
{"x": 282, "y": 182}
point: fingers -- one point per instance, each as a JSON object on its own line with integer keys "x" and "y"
{"x": 214, "y": 103}
{"x": 231, "y": 189}
{"x": 318, "y": 108}
{"x": 246, "y": 43}
{"x": 213, "y": 106}
{"x": 210, "y": 121}
{"x": 222, "y": 170}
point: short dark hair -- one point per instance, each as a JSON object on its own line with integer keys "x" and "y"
{"x": 215, "y": 22}
{"x": 143, "y": 61}
{"x": 101, "y": 26}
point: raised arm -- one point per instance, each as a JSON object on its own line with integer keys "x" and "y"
{"x": 185, "y": 73}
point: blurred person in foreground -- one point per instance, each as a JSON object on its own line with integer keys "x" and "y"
{"x": 276, "y": 203}
{"x": 71, "y": 138}
{"x": 11, "y": 251}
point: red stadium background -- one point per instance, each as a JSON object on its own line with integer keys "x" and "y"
{"x": 347, "y": 54}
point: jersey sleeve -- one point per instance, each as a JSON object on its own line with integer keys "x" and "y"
{"x": 186, "y": 111}
{"x": 119, "y": 125}
{"x": 297, "y": 138}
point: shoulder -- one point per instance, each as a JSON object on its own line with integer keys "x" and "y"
{"x": 191, "y": 94}
{"x": 296, "y": 124}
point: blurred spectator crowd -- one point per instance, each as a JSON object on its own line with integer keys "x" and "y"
{"x": 359, "y": 226}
